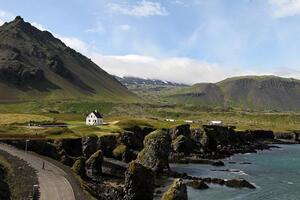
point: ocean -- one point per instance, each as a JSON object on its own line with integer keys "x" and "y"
{"x": 275, "y": 173}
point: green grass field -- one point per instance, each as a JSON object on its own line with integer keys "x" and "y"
{"x": 14, "y": 118}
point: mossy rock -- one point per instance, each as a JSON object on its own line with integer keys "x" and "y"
{"x": 119, "y": 151}
{"x": 139, "y": 182}
{"x": 177, "y": 191}
{"x": 157, "y": 147}
{"x": 182, "y": 144}
{"x": 79, "y": 167}
{"x": 93, "y": 165}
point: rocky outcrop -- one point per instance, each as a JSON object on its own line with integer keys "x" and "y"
{"x": 177, "y": 191}
{"x": 139, "y": 182}
{"x": 157, "y": 146}
{"x": 180, "y": 130}
{"x": 133, "y": 140}
{"x": 183, "y": 144}
{"x": 200, "y": 185}
{"x": 89, "y": 145}
{"x": 239, "y": 183}
{"x": 252, "y": 135}
{"x": 119, "y": 151}
{"x": 107, "y": 143}
{"x": 93, "y": 165}
{"x": 72, "y": 147}
{"x": 79, "y": 167}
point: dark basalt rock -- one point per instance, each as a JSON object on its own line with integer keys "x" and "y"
{"x": 239, "y": 183}
{"x": 139, "y": 182}
{"x": 182, "y": 144}
{"x": 157, "y": 146}
{"x": 133, "y": 140}
{"x": 177, "y": 191}
{"x": 218, "y": 163}
{"x": 107, "y": 144}
{"x": 18, "y": 73}
{"x": 93, "y": 165}
{"x": 119, "y": 151}
{"x": 72, "y": 147}
{"x": 89, "y": 145}
{"x": 252, "y": 135}
{"x": 201, "y": 185}
{"x": 180, "y": 130}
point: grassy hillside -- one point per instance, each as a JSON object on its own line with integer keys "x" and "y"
{"x": 248, "y": 92}
{"x": 36, "y": 65}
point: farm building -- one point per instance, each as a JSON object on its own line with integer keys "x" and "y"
{"x": 94, "y": 119}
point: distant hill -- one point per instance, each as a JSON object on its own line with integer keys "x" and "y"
{"x": 248, "y": 92}
{"x": 130, "y": 80}
{"x": 36, "y": 65}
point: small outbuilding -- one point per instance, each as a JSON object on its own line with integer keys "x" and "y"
{"x": 94, "y": 119}
{"x": 216, "y": 123}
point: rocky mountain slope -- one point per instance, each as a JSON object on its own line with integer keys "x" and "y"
{"x": 130, "y": 80}
{"x": 248, "y": 92}
{"x": 36, "y": 65}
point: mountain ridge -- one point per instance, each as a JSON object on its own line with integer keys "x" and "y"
{"x": 246, "y": 92}
{"x": 36, "y": 65}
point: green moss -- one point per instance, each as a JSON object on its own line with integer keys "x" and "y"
{"x": 119, "y": 150}
{"x": 79, "y": 167}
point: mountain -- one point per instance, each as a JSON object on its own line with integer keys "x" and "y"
{"x": 36, "y": 65}
{"x": 247, "y": 92}
{"x": 130, "y": 80}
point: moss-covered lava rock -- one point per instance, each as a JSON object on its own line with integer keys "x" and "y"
{"x": 139, "y": 182}
{"x": 177, "y": 191}
{"x": 157, "y": 146}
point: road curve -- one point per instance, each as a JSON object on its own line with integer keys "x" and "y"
{"x": 52, "y": 182}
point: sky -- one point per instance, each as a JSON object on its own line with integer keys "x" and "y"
{"x": 186, "y": 41}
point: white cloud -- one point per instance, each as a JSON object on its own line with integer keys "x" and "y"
{"x": 98, "y": 29}
{"x": 141, "y": 8}
{"x": 5, "y": 16}
{"x": 38, "y": 26}
{"x": 74, "y": 43}
{"x": 124, "y": 27}
{"x": 177, "y": 69}
{"x": 285, "y": 8}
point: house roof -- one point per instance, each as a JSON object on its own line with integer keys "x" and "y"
{"x": 97, "y": 114}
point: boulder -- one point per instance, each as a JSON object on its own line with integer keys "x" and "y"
{"x": 139, "y": 182}
{"x": 89, "y": 145}
{"x": 177, "y": 191}
{"x": 79, "y": 167}
{"x": 107, "y": 143}
{"x": 252, "y": 135}
{"x": 200, "y": 185}
{"x": 239, "y": 183}
{"x": 119, "y": 151}
{"x": 72, "y": 147}
{"x": 183, "y": 144}
{"x": 93, "y": 165}
{"x": 157, "y": 146}
{"x": 133, "y": 140}
{"x": 129, "y": 155}
{"x": 180, "y": 130}
{"x": 67, "y": 160}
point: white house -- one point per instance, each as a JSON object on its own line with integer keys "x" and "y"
{"x": 216, "y": 123}
{"x": 94, "y": 119}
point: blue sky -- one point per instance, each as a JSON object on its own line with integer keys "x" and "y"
{"x": 185, "y": 41}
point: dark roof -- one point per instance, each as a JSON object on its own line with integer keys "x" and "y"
{"x": 97, "y": 114}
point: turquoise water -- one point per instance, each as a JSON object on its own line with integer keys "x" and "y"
{"x": 276, "y": 173}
